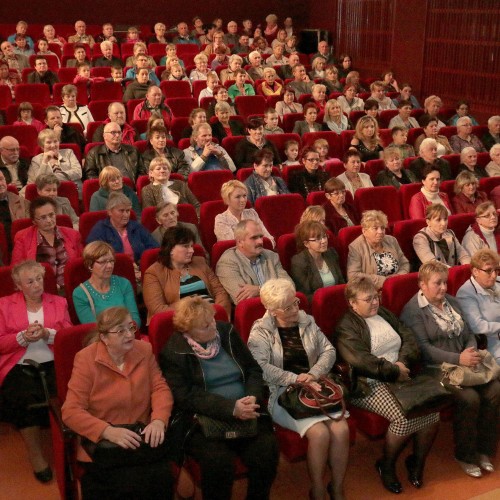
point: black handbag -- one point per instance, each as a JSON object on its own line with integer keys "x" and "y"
{"x": 214, "y": 428}
{"x": 421, "y": 395}
{"x": 107, "y": 454}
{"x": 300, "y": 400}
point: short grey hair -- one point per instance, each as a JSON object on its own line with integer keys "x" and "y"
{"x": 428, "y": 143}
{"x": 117, "y": 200}
{"x": 26, "y": 265}
{"x": 241, "y": 228}
{"x": 106, "y": 43}
{"x": 222, "y": 106}
{"x": 493, "y": 119}
{"x": 274, "y": 294}
{"x": 372, "y": 217}
{"x": 466, "y": 151}
{"x": 463, "y": 120}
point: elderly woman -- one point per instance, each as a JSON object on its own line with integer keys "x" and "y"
{"x": 465, "y": 138}
{"x": 290, "y": 348}
{"x": 29, "y": 320}
{"x": 309, "y": 123}
{"x": 220, "y": 95}
{"x": 103, "y": 289}
{"x": 235, "y": 195}
{"x": 262, "y": 182}
{"x": 366, "y": 139}
{"x": 443, "y": 336}
{"x": 225, "y": 127}
{"x": 381, "y": 349}
{"x": 468, "y": 163}
{"x": 255, "y": 140}
{"x": 349, "y": 102}
{"x": 162, "y": 189}
{"x": 270, "y": 86}
{"x": 287, "y": 105}
{"x": 437, "y": 242}
{"x": 46, "y": 242}
{"x": 467, "y": 197}
{"x": 403, "y": 118}
{"x": 431, "y": 129}
{"x": 352, "y": 178}
{"x": 240, "y": 87}
{"x": 338, "y": 213}
{"x": 201, "y": 71}
{"x": 432, "y": 106}
{"x": 61, "y": 162}
{"x": 71, "y": 111}
{"x": 197, "y": 116}
{"x": 203, "y": 154}
{"x": 318, "y": 93}
{"x": 124, "y": 234}
{"x": 374, "y": 254}
{"x": 139, "y": 87}
{"x": 394, "y": 174}
{"x": 483, "y": 233}
{"x": 167, "y": 216}
{"x": 429, "y": 194}
{"x": 428, "y": 157}
{"x": 111, "y": 181}
{"x": 235, "y": 64}
{"x": 178, "y": 273}
{"x": 312, "y": 178}
{"x": 116, "y": 381}
{"x": 334, "y": 120}
{"x": 256, "y": 70}
{"x": 317, "y": 265}
{"x": 196, "y": 355}
{"x": 493, "y": 167}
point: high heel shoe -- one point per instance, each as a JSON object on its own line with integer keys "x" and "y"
{"x": 389, "y": 478}
{"x": 414, "y": 475}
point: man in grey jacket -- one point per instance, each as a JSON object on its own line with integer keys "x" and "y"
{"x": 243, "y": 269}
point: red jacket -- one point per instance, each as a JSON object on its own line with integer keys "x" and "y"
{"x": 419, "y": 203}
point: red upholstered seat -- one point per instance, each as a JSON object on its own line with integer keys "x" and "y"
{"x": 457, "y": 276}
{"x": 280, "y": 214}
{"x": 406, "y": 192}
{"x": 290, "y": 170}
{"x": 398, "y": 290}
{"x": 346, "y": 136}
{"x": 250, "y": 104}
{"x": 66, "y": 75}
{"x": 33, "y": 92}
{"x": 208, "y": 211}
{"x": 279, "y": 141}
{"x": 20, "y": 224}
{"x": 354, "y": 116}
{"x": 103, "y": 91}
{"x": 26, "y": 135}
{"x": 384, "y": 198}
{"x": 206, "y": 185}
{"x": 487, "y": 184}
{"x": 174, "y": 88}
{"x": 181, "y": 106}
{"x": 81, "y": 92}
{"x": 345, "y": 237}
{"x": 229, "y": 144}
{"x": 177, "y": 126}
{"x": 373, "y": 167}
{"x": 4, "y": 248}
{"x": 404, "y": 231}
{"x": 413, "y": 135}
{"x": 459, "y": 223}
{"x": 333, "y": 139}
{"x": 334, "y": 167}
{"x": 289, "y": 121}
{"x": 454, "y": 161}
{"x": 5, "y": 96}
{"x": 67, "y": 189}
{"x": 99, "y": 109}
{"x": 8, "y": 287}
{"x": 386, "y": 115}
{"x": 92, "y": 127}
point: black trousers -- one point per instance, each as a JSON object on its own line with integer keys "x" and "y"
{"x": 217, "y": 462}
{"x": 475, "y": 420}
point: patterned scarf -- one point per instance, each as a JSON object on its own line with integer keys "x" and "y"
{"x": 208, "y": 352}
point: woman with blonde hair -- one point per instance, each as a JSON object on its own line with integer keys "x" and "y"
{"x": 467, "y": 197}
{"x": 334, "y": 119}
{"x": 313, "y": 213}
{"x": 318, "y": 68}
{"x": 201, "y": 71}
{"x": 366, "y": 139}
{"x": 235, "y": 64}
{"x": 432, "y": 106}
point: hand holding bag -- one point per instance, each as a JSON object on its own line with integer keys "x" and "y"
{"x": 483, "y": 373}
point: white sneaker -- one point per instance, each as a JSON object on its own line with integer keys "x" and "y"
{"x": 470, "y": 469}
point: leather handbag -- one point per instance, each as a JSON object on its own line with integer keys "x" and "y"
{"x": 214, "y": 428}
{"x": 421, "y": 395}
{"x": 301, "y": 400}
{"x": 483, "y": 373}
{"x": 107, "y": 454}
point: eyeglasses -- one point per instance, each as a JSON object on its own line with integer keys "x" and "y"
{"x": 340, "y": 192}
{"x": 293, "y": 305}
{"x": 12, "y": 150}
{"x": 492, "y": 215}
{"x": 371, "y": 299}
{"x": 495, "y": 270}
{"x": 312, "y": 160}
{"x": 47, "y": 217}
{"x": 130, "y": 328}
{"x": 114, "y": 132}
{"x": 318, "y": 239}
{"x": 104, "y": 262}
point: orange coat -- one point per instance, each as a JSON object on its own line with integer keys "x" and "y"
{"x": 100, "y": 394}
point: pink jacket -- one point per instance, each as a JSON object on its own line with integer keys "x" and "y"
{"x": 25, "y": 244}
{"x": 14, "y": 319}
{"x": 419, "y": 203}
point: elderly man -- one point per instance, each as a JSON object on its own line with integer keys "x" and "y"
{"x": 231, "y": 37}
{"x": 116, "y": 114}
{"x": 243, "y": 269}
{"x": 159, "y": 36}
{"x": 302, "y": 83}
{"x": 80, "y": 36}
{"x": 465, "y": 138}
{"x": 66, "y": 133}
{"x": 492, "y": 137}
{"x": 22, "y": 29}
{"x": 80, "y": 56}
{"x": 325, "y": 52}
{"x": 378, "y": 94}
{"x": 183, "y": 35}
{"x": 113, "y": 152}
{"x": 277, "y": 58}
{"x": 428, "y": 156}
{"x": 107, "y": 59}
{"x": 108, "y": 34}
{"x": 141, "y": 61}
{"x": 286, "y": 71}
{"x": 42, "y": 73}
{"x": 15, "y": 61}
{"x": 14, "y": 169}
{"x": 153, "y": 104}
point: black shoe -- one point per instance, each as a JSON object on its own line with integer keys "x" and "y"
{"x": 389, "y": 478}
{"x": 44, "y": 476}
{"x": 414, "y": 475}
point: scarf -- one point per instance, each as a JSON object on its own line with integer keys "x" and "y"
{"x": 208, "y": 352}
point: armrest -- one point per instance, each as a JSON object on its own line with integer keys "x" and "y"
{"x": 55, "y": 408}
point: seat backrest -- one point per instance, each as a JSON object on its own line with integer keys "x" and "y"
{"x": 33, "y": 92}
{"x": 250, "y": 104}
{"x": 4, "y": 247}
{"x": 208, "y": 211}
{"x": 398, "y": 290}
{"x": 384, "y": 198}
{"x": 404, "y": 231}
{"x": 290, "y": 206}
{"x": 346, "y": 136}
{"x": 457, "y": 276}
{"x": 26, "y": 135}
{"x": 287, "y": 248}
{"x": 290, "y": 170}
{"x": 229, "y": 144}
{"x": 99, "y": 109}
{"x": 328, "y": 306}
{"x": 8, "y": 287}
{"x": 87, "y": 222}
{"x": 406, "y": 192}
{"x": 175, "y": 88}
{"x": 206, "y": 185}
{"x": 386, "y": 115}
{"x": 181, "y": 106}
{"x": 333, "y": 139}
{"x": 345, "y": 237}
{"x": 177, "y": 126}
{"x": 5, "y": 96}
{"x": 69, "y": 190}
{"x": 106, "y": 90}
{"x": 454, "y": 161}
{"x": 413, "y": 135}
{"x": 90, "y": 186}
{"x": 487, "y": 184}
{"x": 459, "y": 223}
{"x": 373, "y": 167}
{"x": 289, "y": 121}
{"x": 279, "y": 140}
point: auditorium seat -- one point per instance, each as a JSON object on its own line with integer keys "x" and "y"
{"x": 384, "y": 198}
{"x": 268, "y": 207}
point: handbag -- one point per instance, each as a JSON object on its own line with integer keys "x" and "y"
{"x": 107, "y": 454}
{"x": 214, "y": 428}
{"x": 421, "y": 395}
{"x": 301, "y": 400}
{"x": 483, "y": 373}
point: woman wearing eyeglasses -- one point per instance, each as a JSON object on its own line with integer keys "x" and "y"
{"x": 290, "y": 348}
{"x": 317, "y": 265}
{"x": 312, "y": 178}
{"x": 483, "y": 233}
{"x": 116, "y": 381}
{"x": 103, "y": 289}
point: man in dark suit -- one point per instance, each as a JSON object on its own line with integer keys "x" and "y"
{"x": 42, "y": 73}
{"x": 107, "y": 59}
